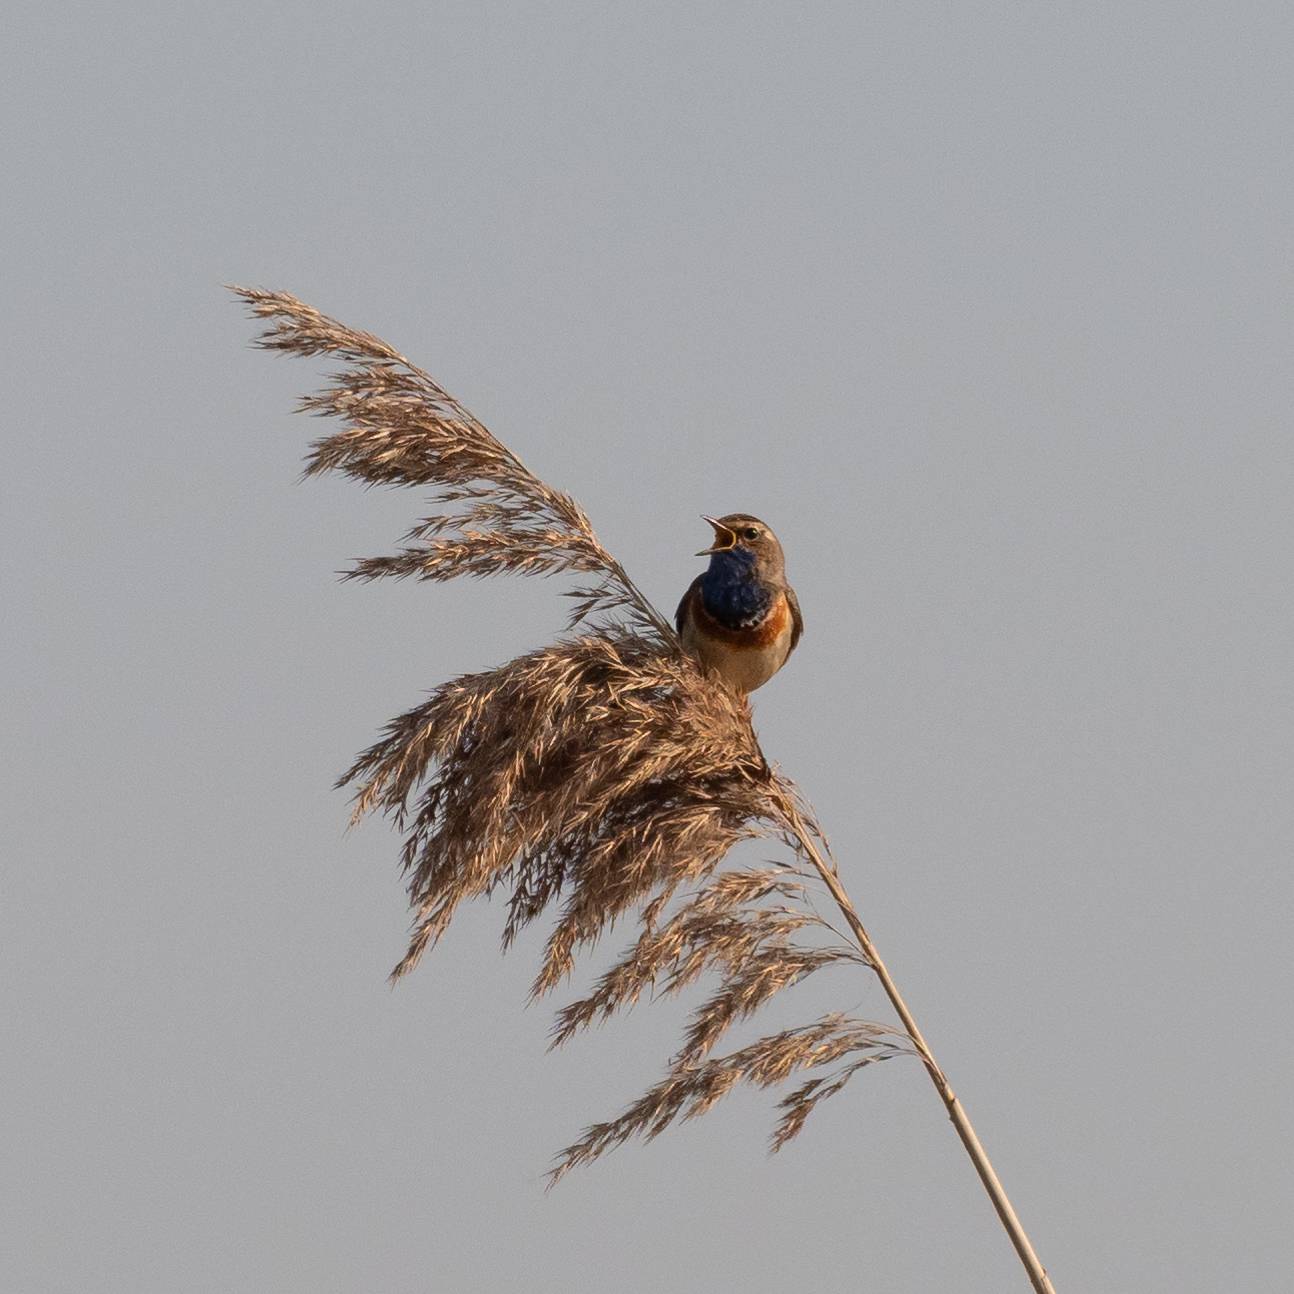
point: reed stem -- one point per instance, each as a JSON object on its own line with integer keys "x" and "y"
{"x": 956, "y": 1111}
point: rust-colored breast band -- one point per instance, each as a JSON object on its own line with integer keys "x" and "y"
{"x": 775, "y": 624}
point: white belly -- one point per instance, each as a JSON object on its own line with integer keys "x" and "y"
{"x": 742, "y": 668}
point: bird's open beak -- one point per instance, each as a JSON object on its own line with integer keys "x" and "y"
{"x": 723, "y": 538}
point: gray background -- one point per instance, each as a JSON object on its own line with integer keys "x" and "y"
{"x": 985, "y": 307}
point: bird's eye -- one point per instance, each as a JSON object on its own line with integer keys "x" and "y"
{"x": 750, "y": 532}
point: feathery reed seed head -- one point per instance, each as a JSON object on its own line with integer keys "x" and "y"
{"x": 601, "y": 777}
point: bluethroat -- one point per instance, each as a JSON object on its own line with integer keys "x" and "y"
{"x": 740, "y": 617}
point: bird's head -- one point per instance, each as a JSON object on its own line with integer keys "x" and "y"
{"x": 745, "y": 542}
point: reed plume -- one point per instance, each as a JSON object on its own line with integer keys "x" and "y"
{"x": 602, "y": 779}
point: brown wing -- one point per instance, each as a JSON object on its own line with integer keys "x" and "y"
{"x": 797, "y": 620}
{"x": 680, "y": 614}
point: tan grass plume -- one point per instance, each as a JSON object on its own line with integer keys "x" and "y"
{"x": 602, "y": 779}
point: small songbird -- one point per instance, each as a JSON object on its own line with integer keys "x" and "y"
{"x": 740, "y": 617}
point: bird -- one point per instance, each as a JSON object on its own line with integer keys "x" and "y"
{"x": 739, "y": 617}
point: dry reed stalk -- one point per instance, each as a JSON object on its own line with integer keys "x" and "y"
{"x": 604, "y": 777}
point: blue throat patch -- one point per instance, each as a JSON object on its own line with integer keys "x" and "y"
{"x": 731, "y": 591}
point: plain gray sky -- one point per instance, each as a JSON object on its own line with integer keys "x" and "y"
{"x": 986, "y": 308}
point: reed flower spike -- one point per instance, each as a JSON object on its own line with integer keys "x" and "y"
{"x": 601, "y": 779}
